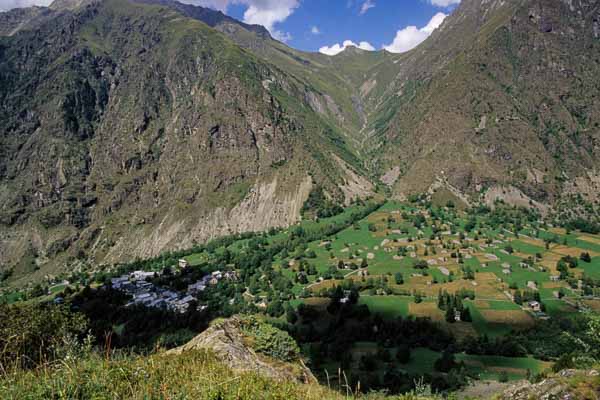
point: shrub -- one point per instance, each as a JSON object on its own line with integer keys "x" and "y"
{"x": 403, "y": 354}
{"x": 31, "y": 334}
{"x": 503, "y": 377}
{"x": 271, "y": 341}
{"x": 445, "y": 363}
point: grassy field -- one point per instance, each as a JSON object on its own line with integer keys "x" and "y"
{"x": 485, "y": 367}
{"x": 391, "y": 243}
{"x": 387, "y": 306}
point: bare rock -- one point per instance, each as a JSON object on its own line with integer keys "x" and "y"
{"x": 555, "y": 388}
{"x": 227, "y": 341}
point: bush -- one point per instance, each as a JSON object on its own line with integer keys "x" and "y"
{"x": 585, "y": 257}
{"x": 503, "y": 377}
{"x": 403, "y": 354}
{"x": 32, "y": 334}
{"x": 271, "y": 341}
{"x": 564, "y": 362}
{"x": 445, "y": 363}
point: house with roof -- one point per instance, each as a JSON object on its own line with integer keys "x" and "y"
{"x": 535, "y": 306}
{"x": 141, "y": 275}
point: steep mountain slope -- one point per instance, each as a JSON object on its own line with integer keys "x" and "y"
{"x": 333, "y": 94}
{"x": 129, "y": 129}
{"x": 506, "y": 92}
{"x": 503, "y": 94}
{"x": 22, "y": 18}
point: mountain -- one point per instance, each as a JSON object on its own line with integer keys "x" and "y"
{"x": 134, "y": 127}
{"x": 129, "y": 129}
{"x": 507, "y": 96}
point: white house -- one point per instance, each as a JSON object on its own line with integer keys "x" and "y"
{"x": 535, "y": 306}
{"x": 141, "y": 275}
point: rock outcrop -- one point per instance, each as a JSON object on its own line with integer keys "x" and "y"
{"x": 226, "y": 339}
{"x": 558, "y": 387}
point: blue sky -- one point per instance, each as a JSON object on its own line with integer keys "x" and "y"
{"x": 329, "y": 25}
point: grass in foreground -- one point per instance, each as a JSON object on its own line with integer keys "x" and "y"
{"x": 193, "y": 375}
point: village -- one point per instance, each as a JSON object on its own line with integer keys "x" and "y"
{"x": 138, "y": 284}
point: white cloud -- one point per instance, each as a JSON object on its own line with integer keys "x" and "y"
{"x": 411, "y": 36}
{"x": 6, "y": 5}
{"x": 366, "y": 6}
{"x": 337, "y": 48}
{"x": 444, "y": 3}
{"x": 315, "y": 30}
{"x": 268, "y": 13}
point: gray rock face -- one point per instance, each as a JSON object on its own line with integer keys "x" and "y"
{"x": 226, "y": 340}
{"x": 555, "y": 388}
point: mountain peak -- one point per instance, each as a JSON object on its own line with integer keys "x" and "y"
{"x": 213, "y": 18}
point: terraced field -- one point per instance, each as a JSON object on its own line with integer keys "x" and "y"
{"x": 440, "y": 252}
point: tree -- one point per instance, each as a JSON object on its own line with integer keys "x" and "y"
{"x": 384, "y": 355}
{"x": 418, "y": 297}
{"x": 398, "y": 278}
{"x": 315, "y": 355}
{"x": 275, "y": 308}
{"x": 518, "y": 297}
{"x": 31, "y": 334}
{"x": 38, "y": 291}
{"x": 368, "y": 362}
{"x": 302, "y": 279}
{"x": 403, "y": 354}
{"x": 503, "y": 377}
{"x": 585, "y": 257}
{"x": 450, "y": 318}
{"x": 465, "y": 315}
{"x": 570, "y": 261}
{"x": 445, "y": 363}
{"x": 291, "y": 316}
